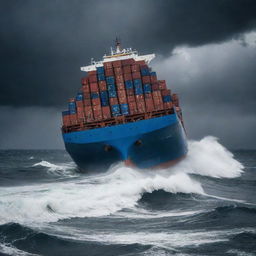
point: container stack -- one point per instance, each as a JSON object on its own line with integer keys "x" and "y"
{"x": 118, "y": 88}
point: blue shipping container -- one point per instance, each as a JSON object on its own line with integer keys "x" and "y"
{"x": 147, "y": 88}
{"x": 124, "y": 109}
{"x": 112, "y": 94}
{"x": 153, "y": 73}
{"x": 95, "y": 95}
{"x": 104, "y": 103}
{"x": 167, "y": 98}
{"x": 145, "y": 72}
{"x": 100, "y": 70}
{"x": 129, "y": 84}
{"x": 138, "y": 91}
{"x": 110, "y": 80}
{"x": 111, "y": 87}
{"x": 101, "y": 77}
{"x": 104, "y": 95}
{"x": 72, "y": 107}
{"x": 65, "y": 113}
{"x": 115, "y": 109}
{"x": 79, "y": 96}
{"x": 137, "y": 82}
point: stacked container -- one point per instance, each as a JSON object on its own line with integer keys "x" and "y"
{"x": 118, "y": 88}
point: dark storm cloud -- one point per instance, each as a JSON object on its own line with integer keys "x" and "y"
{"x": 44, "y": 43}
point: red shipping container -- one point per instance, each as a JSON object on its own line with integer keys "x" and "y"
{"x": 94, "y": 87}
{"x": 131, "y": 99}
{"x": 153, "y": 79}
{"x": 96, "y": 101}
{"x": 135, "y": 68}
{"x": 73, "y": 119}
{"x": 168, "y": 105}
{"x": 162, "y": 84}
{"x": 107, "y": 65}
{"x": 93, "y": 79}
{"x": 176, "y": 103}
{"x": 139, "y": 97}
{"x": 113, "y": 101}
{"x": 102, "y": 85}
{"x": 119, "y": 79}
{"x": 87, "y": 95}
{"x": 120, "y": 86}
{"x": 87, "y": 102}
{"x": 165, "y": 92}
{"x": 109, "y": 72}
{"x": 80, "y": 114}
{"x": 85, "y": 80}
{"x": 97, "y": 113}
{"x": 133, "y": 108}
{"x": 106, "y": 113}
{"x": 66, "y": 120}
{"x": 136, "y": 75}
{"x": 118, "y": 71}
{"x": 93, "y": 72}
{"x": 117, "y": 63}
{"x": 127, "y": 69}
{"x": 130, "y": 92}
{"x": 141, "y": 107}
{"x": 79, "y": 104}
{"x": 127, "y": 76}
{"x": 122, "y": 96}
{"x": 175, "y": 96}
{"x": 148, "y": 96}
{"x": 141, "y": 62}
{"x": 86, "y": 88}
{"x": 146, "y": 79}
{"x": 149, "y": 105}
{"x": 155, "y": 87}
{"x": 128, "y": 62}
{"x": 88, "y": 113}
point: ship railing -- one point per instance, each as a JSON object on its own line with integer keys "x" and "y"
{"x": 81, "y": 126}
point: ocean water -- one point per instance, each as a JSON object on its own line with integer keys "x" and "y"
{"x": 205, "y": 205}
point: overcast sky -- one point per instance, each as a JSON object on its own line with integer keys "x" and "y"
{"x": 206, "y": 50}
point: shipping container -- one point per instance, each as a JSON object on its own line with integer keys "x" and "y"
{"x": 120, "y": 86}
{"x": 128, "y": 62}
{"x": 127, "y": 69}
{"x": 130, "y": 92}
{"x": 86, "y": 88}
{"x": 96, "y": 102}
{"x": 144, "y": 70}
{"x": 72, "y": 107}
{"x": 115, "y": 109}
{"x": 110, "y": 79}
{"x": 85, "y": 80}
{"x": 92, "y": 73}
{"x": 79, "y": 96}
{"x": 147, "y": 88}
{"x": 107, "y": 65}
{"x": 87, "y": 102}
{"x": 141, "y": 62}
{"x": 79, "y": 104}
{"x": 135, "y": 68}
{"x": 162, "y": 84}
{"x": 88, "y": 113}
{"x": 111, "y": 87}
{"x": 102, "y": 85}
{"x": 106, "y": 113}
{"x": 87, "y": 95}
{"x": 93, "y": 78}
{"x": 100, "y": 70}
{"x": 155, "y": 87}
{"x": 109, "y": 72}
{"x": 136, "y": 75}
{"x": 94, "y": 87}
{"x": 167, "y": 98}
{"x": 133, "y": 108}
{"x": 112, "y": 94}
{"x": 127, "y": 76}
{"x": 101, "y": 77}
{"x": 95, "y": 95}
{"x": 118, "y": 71}
{"x": 131, "y": 98}
{"x": 149, "y": 104}
{"x": 97, "y": 113}
{"x": 119, "y": 79}
{"x": 124, "y": 109}
{"x": 113, "y": 101}
{"x": 165, "y": 92}
{"x": 73, "y": 119}
{"x": 168, "y": 105}
{"x": 117, "y": 63}
{"x": 146, "y": 79}
{"x": 122, "y": 96}
{"x": 128, "y": 84}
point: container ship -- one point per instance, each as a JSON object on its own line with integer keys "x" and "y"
{"x": 123, "y": 113}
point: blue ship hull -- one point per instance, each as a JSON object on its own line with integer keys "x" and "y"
{"x": 145, "y": 144}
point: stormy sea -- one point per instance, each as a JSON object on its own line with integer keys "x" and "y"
{"x": 205, "y": 205}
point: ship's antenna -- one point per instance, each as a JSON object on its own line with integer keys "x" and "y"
{"x": 118, "y": 45}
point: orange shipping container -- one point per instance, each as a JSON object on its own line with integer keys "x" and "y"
{"x": 79, "y": 104}
{"x": 127, "y": 69}
{"x": 92, "y": 78}
{"x": 113, "y": 101}
{"x": 149, "y": 105}
{"x": 117, "y": 63}
{"x": 87, "y": 102}
{"x": 133, "y": 108}
{"x": 73, "y": 119}
{"x": 127, "y": 76}
{"x": 141, "y": 106}
{"x": 120, "y": 86}
{"x": 131, "y": 98}
{"x": 66, "y": 120}
{"x": 109, "y": 72}
{"x": 102, "y": 85}
{"x": 96, "y": 101}
{"x": 146, "y": 79}
{"x": 135, "y": 68}
{"x": 119, "y": 79}
{"x": 92, "y": 73}
{"x": 86, "y": 88}
{"x": 162, "y": 84}
{"x": 107, "y": 65}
